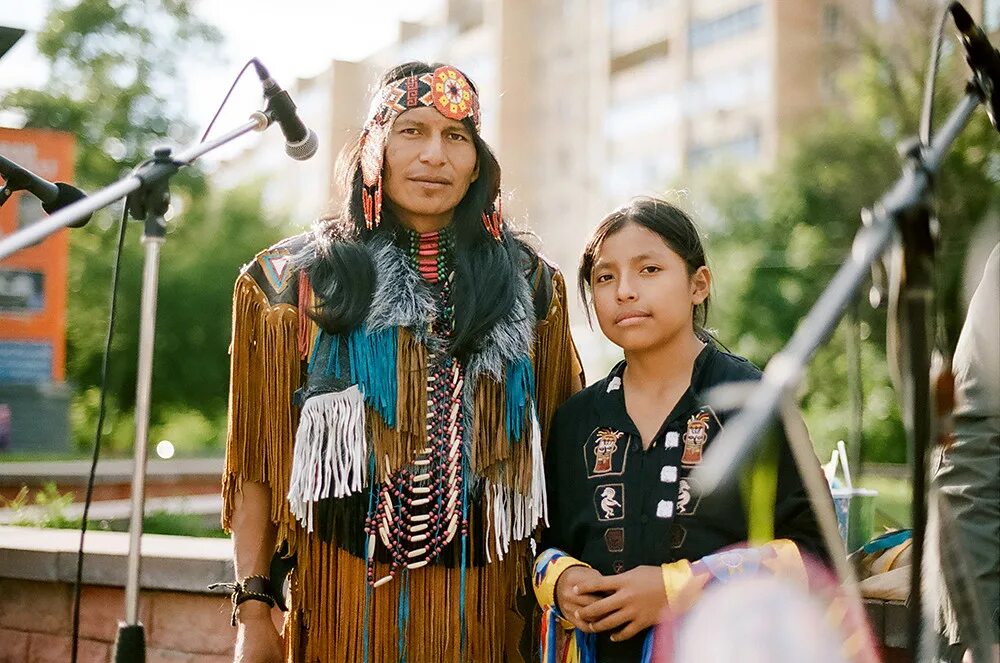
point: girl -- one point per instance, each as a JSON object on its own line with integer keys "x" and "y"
{"x": 626, "y": 520}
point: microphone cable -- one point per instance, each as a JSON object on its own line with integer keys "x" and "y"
{"x": 225, "y": 99}
{"x": 105, "y": 372}
{"x": 927, "y": 112}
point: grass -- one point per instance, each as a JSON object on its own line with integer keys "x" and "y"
{"x": 892, "y": 505}
{"x": 41, "y": 456}
{"x": 158, "y": 522}
{"x": 54, "y": 505}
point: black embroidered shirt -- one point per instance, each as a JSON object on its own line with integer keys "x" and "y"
{"x": 616, "y": 506}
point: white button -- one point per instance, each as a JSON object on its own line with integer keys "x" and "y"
{"x": 668, "y": 473}
{"x": 665, "y": 509}
{"x": 672, "y": 439}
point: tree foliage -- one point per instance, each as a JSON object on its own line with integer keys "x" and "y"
{"x": 785, "y": 236}
{"x": 114, "y": 83}
{"x": 114, "y": 79}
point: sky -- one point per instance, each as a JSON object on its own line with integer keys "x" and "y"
{"x": 296, "y": 41}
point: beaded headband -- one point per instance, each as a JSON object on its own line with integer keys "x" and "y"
{"x": 447, "y": 91}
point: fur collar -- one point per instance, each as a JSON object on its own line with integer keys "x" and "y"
{"x": 403, "y": 299}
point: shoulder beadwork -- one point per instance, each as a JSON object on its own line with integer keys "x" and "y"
{"x": 274, "y": 270}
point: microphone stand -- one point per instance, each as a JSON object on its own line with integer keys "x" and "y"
{"x": 900, "y": 220}
{"x": 150, "y": 202}
{"x": 147, "y": 173}
{"x": 148, "y": 197}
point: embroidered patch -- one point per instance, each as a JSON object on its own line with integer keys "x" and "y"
{"x": 668, "y": 473}
{"x": 614, "y": 384}
{"x": 605, "y": 452}
{"x": 665, "y": 509}
{"x": 619, "y": 566}
{"x": 614, "y": 539}
{"x": 677, "y": 536}
{"x": 277, "y": 268}
{"x": 607, "y": 445}
{"x": 671, "y": 440}
{"x": 687, "y": 499}
{"x": 609, "y": 501}
{"x": 695, "y": 438}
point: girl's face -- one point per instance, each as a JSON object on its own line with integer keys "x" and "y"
{"x": 643, "y": 294}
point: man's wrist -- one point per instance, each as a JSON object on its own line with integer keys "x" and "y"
{"x": 251, "y": 611}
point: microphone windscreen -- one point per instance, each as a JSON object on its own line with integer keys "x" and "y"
{"x": 68, "y": 195}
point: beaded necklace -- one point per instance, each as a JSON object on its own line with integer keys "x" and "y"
{"x": 415, "y": 512}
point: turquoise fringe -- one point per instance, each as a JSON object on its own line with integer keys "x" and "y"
{"x": 520, "y": 388}
{"x": 373, "y": 368}
{"x": 333, "y": 357}
{"x": 315, "y": 350}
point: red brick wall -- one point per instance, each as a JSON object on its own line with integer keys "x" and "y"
{"x": 180, "y": 627}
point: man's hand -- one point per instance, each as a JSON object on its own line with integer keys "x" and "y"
{"x": 570, "y": 598}
{"x": 633, "y": 602}
{"x": 257, "y": 639}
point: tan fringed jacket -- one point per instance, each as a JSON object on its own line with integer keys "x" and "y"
{"x": 321, "y": 473}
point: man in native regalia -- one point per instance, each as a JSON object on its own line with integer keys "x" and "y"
{"x": 394, "y": 373}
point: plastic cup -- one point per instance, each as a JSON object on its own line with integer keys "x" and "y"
{"x": 855, "y": 509}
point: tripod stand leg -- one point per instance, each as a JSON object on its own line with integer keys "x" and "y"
{"x": 130, "y": 644}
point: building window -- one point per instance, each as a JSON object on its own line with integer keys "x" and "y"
{"x": 882, "y": 10}
{"x": 631, "y": 175}
{"x": 831, "y": 20}
{"x": 636, "y": 116}
{"x": 623, "y": 11}
{"x": 991, "y": 15}
{"x": 745, "y": 147}
{"x": 727, "y": 26}
{"x": 726, "y": 90}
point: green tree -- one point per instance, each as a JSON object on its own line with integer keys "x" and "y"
{"x": 786, "y": 235}
{"x": 113, "y": 79}
{"x": 206, "y": 245}
{"x": 114, "y": 83}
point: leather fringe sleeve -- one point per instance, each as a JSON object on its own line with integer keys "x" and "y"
{"x": 265, "y": 371}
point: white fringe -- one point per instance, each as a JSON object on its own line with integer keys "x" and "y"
{"x": 330, "y": 451}
{"x": 512, "y": 515}
{"x": 539, "y": 495}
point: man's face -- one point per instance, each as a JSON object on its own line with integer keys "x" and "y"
{"x": 430, "y": 162}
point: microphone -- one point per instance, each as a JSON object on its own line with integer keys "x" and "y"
{"x": 54, "y": 196}
{"x": 300, "y": 143}
{"x": 982, "y": 58}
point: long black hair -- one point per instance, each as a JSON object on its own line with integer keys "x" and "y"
{"x": 674, "y": 227}
{"x": 486, "y": 270}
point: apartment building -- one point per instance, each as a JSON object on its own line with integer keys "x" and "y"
{"x": 589, "y": 102}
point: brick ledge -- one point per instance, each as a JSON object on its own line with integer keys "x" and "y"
{"x": 178, "y": 563}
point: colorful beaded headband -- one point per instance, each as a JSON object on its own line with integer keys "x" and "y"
{"x": 447, "y": 91}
